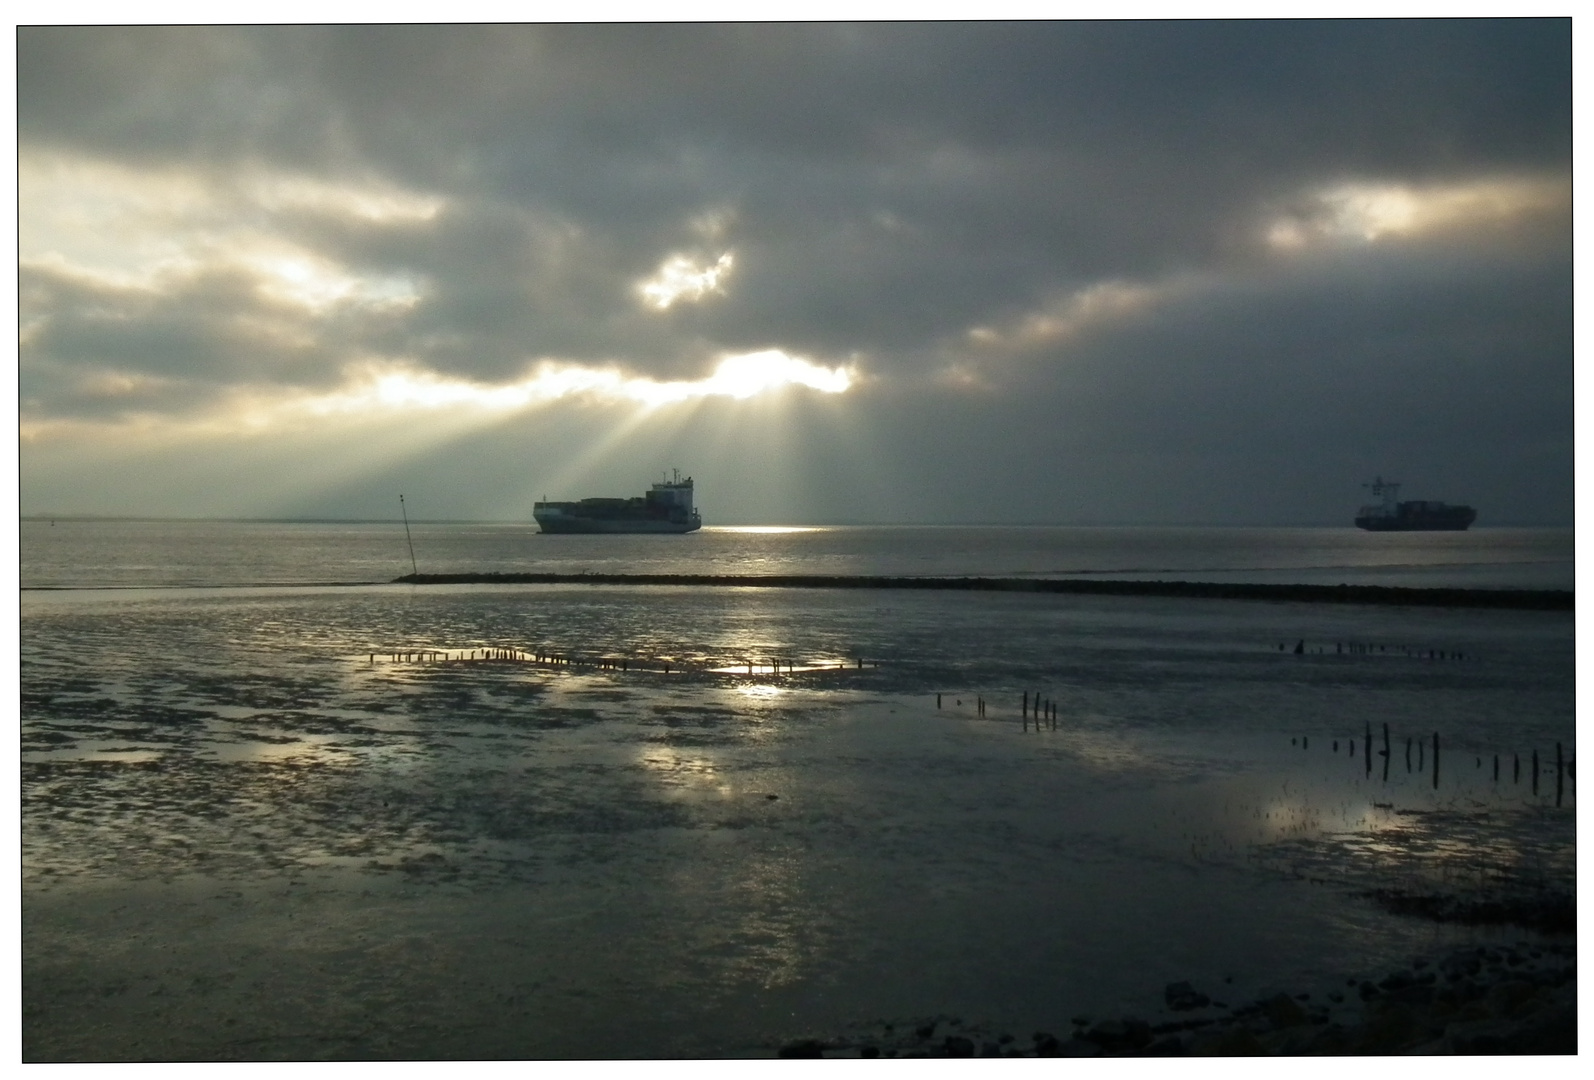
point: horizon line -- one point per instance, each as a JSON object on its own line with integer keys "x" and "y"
{"x": 312, "y": 520}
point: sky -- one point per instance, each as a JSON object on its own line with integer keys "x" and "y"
{"x": 1174, "y": 272}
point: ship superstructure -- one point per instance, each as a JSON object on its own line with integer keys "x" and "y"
{"x": 1413, "y": 515}
{"x": 666, "y": 508}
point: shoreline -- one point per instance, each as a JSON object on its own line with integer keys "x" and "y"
{"x": 1388, "y": 595}
{"x": 1516, "y": 998}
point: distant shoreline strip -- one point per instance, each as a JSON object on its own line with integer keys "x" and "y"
{"x": 1519, "y": 599}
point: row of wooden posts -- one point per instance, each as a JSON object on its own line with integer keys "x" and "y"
{"x": 1361, "y": 648}
{"x": 602, "y": 663}
{"x": 1564, "y": 767}
{"x": 1042, "y": 712}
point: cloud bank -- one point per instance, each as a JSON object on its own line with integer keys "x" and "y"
{"x": 1071, "y": 272}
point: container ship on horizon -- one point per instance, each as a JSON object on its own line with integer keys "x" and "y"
{"x": 1414, "y": 515}
{"x": 666, "y": 508}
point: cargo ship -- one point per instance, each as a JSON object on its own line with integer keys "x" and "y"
{"x": 666, "y": 508}
{"x": 1415, "y": 515}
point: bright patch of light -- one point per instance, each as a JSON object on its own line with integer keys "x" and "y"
{"x": 384, "y": 388}
{"x": 1069, "y": 315}
{"x": 302, "y": 278}
{"x": 681, "y": 278}
{"x": 763, "y": 529}
{"x": 743, "y": 376}
{"x": 373, "y": 202}
{"x": 753, "y": 373}
{"x": 760, "y": 691}
{"x": 155, "y": 228}
{"x": 1370, "y": 212}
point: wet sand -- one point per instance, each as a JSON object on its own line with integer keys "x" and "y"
{"x": 1510, "y": 999}
{"x": 243, "y": 839}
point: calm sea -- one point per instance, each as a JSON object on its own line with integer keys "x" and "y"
{"x": 131, "y": 553}
{"x": 252, "y": 830}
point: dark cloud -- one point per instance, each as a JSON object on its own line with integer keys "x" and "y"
{"x": 885, "y": 189}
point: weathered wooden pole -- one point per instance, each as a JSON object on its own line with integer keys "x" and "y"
{"x": 413, "y": 568}
{"x": 1436, "y": 760}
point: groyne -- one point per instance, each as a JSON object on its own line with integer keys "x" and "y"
{"x": 1518, "y": 599}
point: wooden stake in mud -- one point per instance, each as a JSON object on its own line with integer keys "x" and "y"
{"x": 938, "y": 701}
{"x": 1408, "y": 753}
{"x": 1516, "y": 768}
{"x": 1024, "y": 708}
{"x": 1436, "y": 760}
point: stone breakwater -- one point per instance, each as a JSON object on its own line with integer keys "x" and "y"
{"x": 1513, "y": 999}
{"x": 1522, "y": 599}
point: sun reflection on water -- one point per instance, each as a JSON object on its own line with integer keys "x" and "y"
{"x": 766, "y": 529}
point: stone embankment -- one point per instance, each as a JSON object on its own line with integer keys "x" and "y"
{"x": 1526, "y": 599}
{"x": 1516, "y": 999}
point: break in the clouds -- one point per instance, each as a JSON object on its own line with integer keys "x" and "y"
{"x": 871, "y": 272}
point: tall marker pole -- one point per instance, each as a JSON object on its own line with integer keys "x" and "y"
{"x": 415, "y": 569}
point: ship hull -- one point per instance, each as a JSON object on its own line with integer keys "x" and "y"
{"x": 565, "y": 523}
{"x": 1455, "y": 520}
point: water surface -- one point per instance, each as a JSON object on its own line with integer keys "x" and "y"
{"x": 244, "y": 837}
